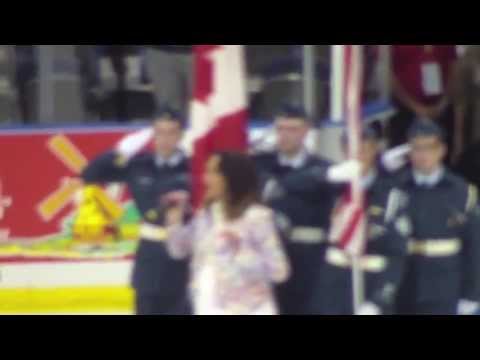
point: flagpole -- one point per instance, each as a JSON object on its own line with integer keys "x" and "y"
{"x": 309, "y": 80}
{"x": 358, "y": 274}
{"x": 354, "y": 97}
{"x": 337, "y": 84}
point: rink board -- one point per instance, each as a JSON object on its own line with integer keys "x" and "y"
{"x": 66, "y": 288}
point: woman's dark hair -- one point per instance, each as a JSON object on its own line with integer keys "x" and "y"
{"x": 241, "y": 179}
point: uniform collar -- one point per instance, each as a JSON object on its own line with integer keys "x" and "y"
{"x": 295, "y": 162}
{"x": 172, "y": 161}
{"x": 429, "y": 180}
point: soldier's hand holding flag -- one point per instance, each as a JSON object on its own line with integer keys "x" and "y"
{"x": 344, "y": 172}
{"x": 369, "y": 309}
{"x": 468, "y": 307}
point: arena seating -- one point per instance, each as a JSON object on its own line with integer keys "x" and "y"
{"x": 8, "y": 92}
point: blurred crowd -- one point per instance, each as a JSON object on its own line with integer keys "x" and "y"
{"x": 123, "y": 83}
{"x": 126, "y": 82}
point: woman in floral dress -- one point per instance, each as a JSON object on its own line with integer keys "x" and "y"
{"x": 236, "y": 253}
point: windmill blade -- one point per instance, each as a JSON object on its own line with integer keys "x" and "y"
{"x": 58, "y": 200}
{"x": 68, "y": 153}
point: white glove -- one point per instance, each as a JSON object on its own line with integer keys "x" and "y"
{"x": 344, "y": 172}
{"x": 396, "y": 158}
{"x": 467, "y": 307}
{"x": 132, "y": 144}
{"x": 272, "y": 191}
{"x": 369, "y": 309}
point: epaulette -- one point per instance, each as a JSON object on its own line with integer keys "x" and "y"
{"x": 121, "y": 161}
{"x": 461, "y": 184}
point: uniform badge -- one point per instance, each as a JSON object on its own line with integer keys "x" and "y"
{"x": 120, "y": 161}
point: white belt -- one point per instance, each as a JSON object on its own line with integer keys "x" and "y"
{"x": 153, "y": 233}
{"x": 307, "y": 235}
{"x": 435, "y": 248}
{"x": 338, "y": 258}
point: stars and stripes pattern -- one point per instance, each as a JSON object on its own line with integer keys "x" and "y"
{"x": 349, "y": 219}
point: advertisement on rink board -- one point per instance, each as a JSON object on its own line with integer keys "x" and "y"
{"x": 45, "y": 211}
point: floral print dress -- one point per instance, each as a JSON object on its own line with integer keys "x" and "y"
{"x": 234, "y": 263}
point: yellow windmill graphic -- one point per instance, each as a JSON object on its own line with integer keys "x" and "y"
{"x": 96, "y": 211}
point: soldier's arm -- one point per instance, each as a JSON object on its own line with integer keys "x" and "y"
{"x": 395, "y": 160}
{"x": 112, "y": 166}
{"x": 331, "y": 178}
{"x": 108, "y": 167}
{"x": 397, "y": 229}
{"x": 390, "y": 280}
{"x": 471, "y": 249}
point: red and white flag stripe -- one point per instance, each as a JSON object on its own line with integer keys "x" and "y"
{"x": 349, "y": 219}
{"x": 219, "y": 108}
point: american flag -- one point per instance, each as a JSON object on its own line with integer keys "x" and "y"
{"x": 349, "y": 219}
{"x": 219, "y": 108}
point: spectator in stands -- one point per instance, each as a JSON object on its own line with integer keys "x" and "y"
{"x": 422, "y": 85}
{"x": 468, "y": 97}
{"x": 26, "y": 70}
{"x": 115, "y": 83}
{"x": 170, "y": 68}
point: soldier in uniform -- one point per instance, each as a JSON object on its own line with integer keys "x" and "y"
{"x": 443, "y": 270}
{"x": 387, "y": 227}
{"x": 304, "y": 217}
{"x": 159, "y": 281}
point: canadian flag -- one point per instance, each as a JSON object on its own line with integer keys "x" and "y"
{"x": 219, "y": 108}
{"x": 349, "y": 219}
